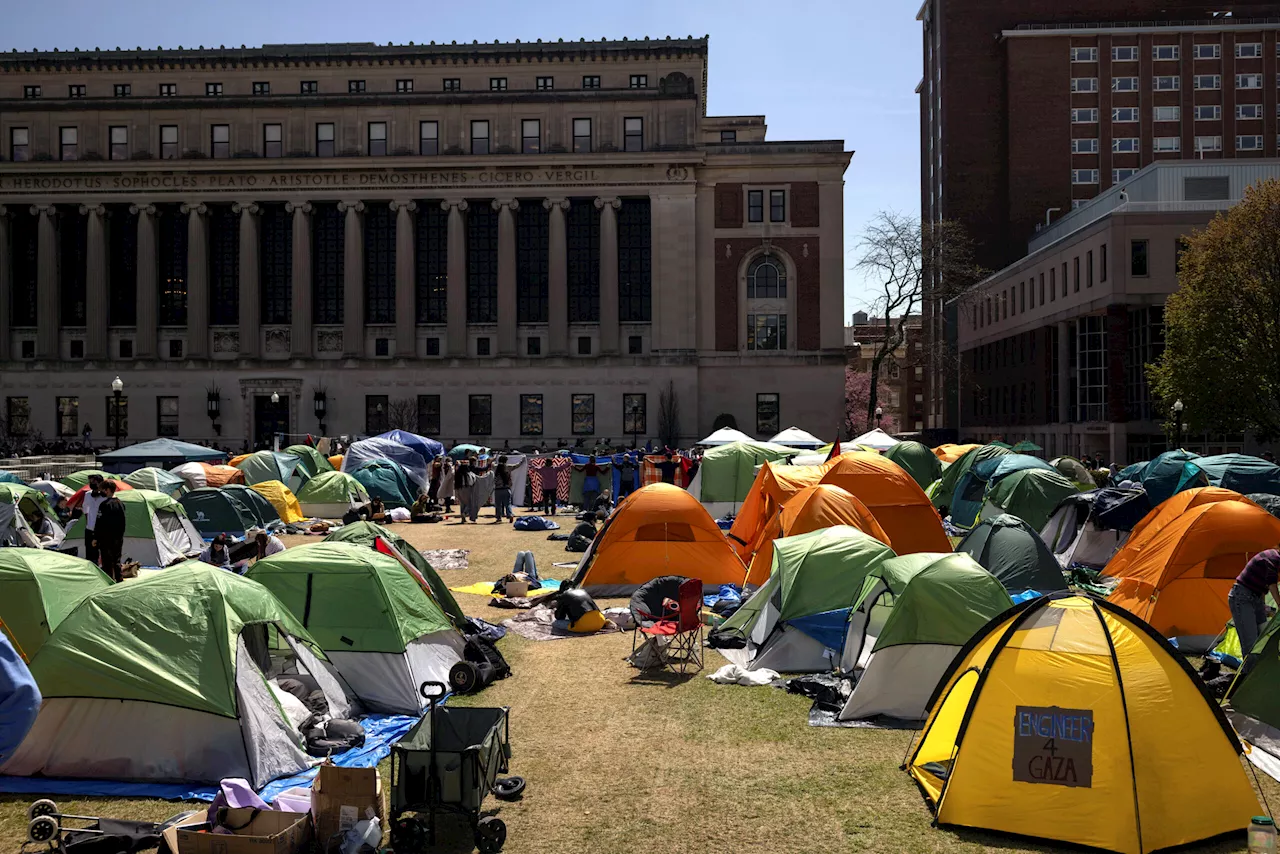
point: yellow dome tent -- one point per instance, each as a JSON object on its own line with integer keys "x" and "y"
{"x": 281, "y": 498}
{"x": 1067, "y": 718}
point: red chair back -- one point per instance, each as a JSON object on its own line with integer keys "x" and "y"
{"x": 690, "y": 597}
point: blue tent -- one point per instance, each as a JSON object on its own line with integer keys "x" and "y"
{"x": 162, "y": 453}
{"x": 10, "y": 477}
{"x": 415, "y": 465}
{"x": 1238, "y": 472}
{"x": 971, "y": 489}
{"x": 1167, "y": 475}
{"x": 386, "y": 480}
{"x": 428, "y": 448}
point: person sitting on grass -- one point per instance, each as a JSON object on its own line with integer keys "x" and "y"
{"x": 583, "y": 534}
{"x": 267, "y": 544}
{"x": 216, "y": 553}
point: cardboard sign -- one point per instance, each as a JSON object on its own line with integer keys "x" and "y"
{"x": 1053, "y": 746}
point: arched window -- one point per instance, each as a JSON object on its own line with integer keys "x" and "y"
{"x": 766, "y": 278}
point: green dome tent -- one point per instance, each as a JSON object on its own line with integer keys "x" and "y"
{"x": 383, "y": 632}
{"x": 330, "y": 495}
{"x": 1030, "y": 494}
{"x": 971, "y": 491}
{"x": 1013, "y": 552}
{"x": 942, "y": 492}
{"x": 795, "y": 622}
{"x": 264, "y": 512}
{"x": 157, "y": 480}
{"x": 163, "y": 679}
{"x": 915, "y": 614}
{"x": 38, "y": 589}
{"x": 313, "y": 461}
{"x": 77, "y": 479}
{"x": 157, "y": 531}
{"x": 918, "y": 460}
{"x": 213, "y": 511}
{"x": 386, "y": 480}
{"x": 267, "y": 465}
{"x": 1074, "y": 471}
{"x": 1254, "y": 701}
{"x": 17, "y": 504}
{"x": 728, "y": 471}
{"x": 367, "y": 533}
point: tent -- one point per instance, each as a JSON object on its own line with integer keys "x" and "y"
{"x": 367, "y": 450}
{"x": 971, "y": 489}
{"x": 1178, "y": 580}
{"x": 949, "y": 453}
{"x": 796, "y": 621}
{"x": 77, "y": 497}
{"x": 774, "y": 484}
{"x": 1074, "y": 471}
{"x": 1069, "y": 719}
{"x": 897, "y": 501}
{"x": 157, "y": 480}
{"x": 10, "y": 477}
{"x": 386, "y": 480}
{"x": 53, "y": 491}
{"x": 1031, "y": 494}
{"x": 794, "y": 437}
{"x": 368, "y": 533}
{"x": 1254, "y": 702}
{"x": 1239, "y": 472}
{"x": 38, "y": 589}
{"x": 1166, "y": 475}
{"x": 875, "y": 439}
{"x": 313, "y": 462}
{"x": 18, "y": 504}
{"x": 269, "y": 465}
{"x": 1150, "y": 525}
{"x": 157, "y": 530}
{"x": 203, "y": 474}
{"x": 330, "y": 495}
{"x": 657, "y": 530}
{"x": 914, "y": 615}
{"x": 1013, "y": 552}
{"x": 810, "y": 509}
{"x": 264, "y": 513}
{"x": 1026, "y": 446}
{"x": 335, "y": 460}
{"x": 282, "y": 500}
{"x": 77, "y": 479}
{"x": 726, "y": 436}
{"x": 1267, "y": 501}
{"x": 1088, "y": 528}
{"x": 728, "y": 472}
{"x": 163, "y": 453}
{"x": 214, "y": 512}
{"x": 942, "y": 493}
{"x": 457, "y": 452}
{"x": 916, "y": 460}
{"x": 429, "y": 449}
{"x": 382, "y": 631}
{"x": 165, "y": 679}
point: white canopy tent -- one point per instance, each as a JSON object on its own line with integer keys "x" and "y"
{"x": 794, "y": 437}
{"x": 725, "y": 436}
{"x": 876, "y": 438}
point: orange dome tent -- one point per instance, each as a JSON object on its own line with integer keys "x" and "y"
{"x": 774, "y": 484}
{"x": 336, "y": 461}
{"x": 1169, "y": 510}
{"x": 1178, "y": 579}
{"x": 950, "y": 453}
{"x": 658, "y": 530}
{"x": 222, "y": 475}
{"x": 894, "y": 498}
{"x": 811, "y": 509}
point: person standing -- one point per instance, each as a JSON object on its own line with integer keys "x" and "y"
{"x": 626, "y": 477}
{"x": 502, "y": 492}
{"x": 668, "y": 468}
{"x": 89, "y": 505}
{"x": 1247, "y": 600}
{"x": 590, "y": 484}
{"x": 110, "y": 531}
{"x": 433, "y": 488}
{"x": 550, "y": 482}
{"x": 463, "y": 485}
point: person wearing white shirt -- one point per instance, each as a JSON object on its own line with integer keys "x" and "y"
{"x": 268, "y": 544}
{"x": 89, "y": 505}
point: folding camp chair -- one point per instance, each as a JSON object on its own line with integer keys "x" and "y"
{"x": 675, "y": 636}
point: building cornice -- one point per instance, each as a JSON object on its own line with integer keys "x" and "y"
{"x": 1105, "y": 28}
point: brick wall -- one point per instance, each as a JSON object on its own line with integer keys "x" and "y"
{"x": 808, "y": 288}
{"x": 729, "y": 206}
{"x": 804, "y": 204}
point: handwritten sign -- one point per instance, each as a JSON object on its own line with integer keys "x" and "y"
{"x": 1053, "y": 746}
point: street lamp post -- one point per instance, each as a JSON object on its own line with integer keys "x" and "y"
{"x": 275, "y": 421}
{"x": 321, "y": 402}
{"x": 117, "y": 386}
{"x": 879, "y": 415}
{"x": 1177, "y": 415}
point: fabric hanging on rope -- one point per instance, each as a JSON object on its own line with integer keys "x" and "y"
{"x": 651, "y": 474}
{"x": 564, "y": 477}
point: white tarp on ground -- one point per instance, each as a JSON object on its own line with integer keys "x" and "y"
{"x": 898, "y": 681}
{"x": 390, "y": 683}
{"x": 726, "y": 436}
{"x": 876, "y": 438}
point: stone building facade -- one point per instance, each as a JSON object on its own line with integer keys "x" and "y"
{"x": 523, "y": 243}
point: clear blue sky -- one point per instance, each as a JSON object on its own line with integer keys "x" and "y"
{"x": 818, "y": 69}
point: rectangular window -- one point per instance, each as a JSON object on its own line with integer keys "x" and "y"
{"x": 584, "y": 345}
{"x": 497, "y": 84}
{"x": 480, "y": 414}
{"x": 1084, "y": 146}
{"x": 18, "y": 416}
{"x": 403, "y": 86}
{"x": 1208, "y": 112}
{"x": 273, "y": 140}
{"x": 168, "y": 90}
{"x": 1032, "y": 303}
{"x": 635, "y": 414}
{"x": 755, "y": 205}
{"x": 1248, "y": 50}
{"x": 582, "y": 136}
{"x": 1084, "y": 84}
{"x": 1088, "y": 269}
{"x": 31, "y": 91}
{"x": 1248, "y": 111}
{"x": 1166, "y": 83}
{"x": 122, "y": 90}
{"x": 1084, "y": 176}
{"x": 544, "y": 84}
{"x": 639, "y": 81}
{"x": 433, "y": 346}
{"x": 1207, "y": 51}
{"x": 530, "y": 136}
{"x": 482, "y": 346}
{"x": 766, "y": 332}
{"x": 1167, "y": 143}
{"x": 212, "y": 90}
{"x": 1124, "y": 53}
{"x": 166, "y": 416}
{"x": 168, "y": 142}
{"x": 19, "y": 144}
{"x": 1249, "y": 143}
{"x": 428, "y": 137}
{"x": 68, "y": 144}
{"x": 1248, "y": 81}
{"x": 1053, "y": 283}
{"x": 309, "y": 87}
{"x": 1076, "y": 288}
{"x": 591, "y": 81}
{"x": 453, "y": 84}
{"x": 355, "y": 87}
{"x": 1165, "y": 51}
{"x": 1084, "y": 54}
{"x": 728, "y": 136}
{"x": 1084, "y": 115}
{"x": 480, "y": 137}
{"x": 377, "y": 139}
{"x": 377, "y": 416}
{"x": 1138, "y": 258}
{"x": 76, "y": 90}
{"x": 429, "y": 415}
{"x": 1118, "y": 84}
{"x": 118, "y": 417}
{"x": 530, "y": 415}
{"x": 635, "y": 345}
{"x": 582, "y": 412}
{"x": 262, "y": 88}
{"x": 768, "y": 421}
{"x": 633, "y": 134}
{"x": 324, "y": 139}
{"x": 1125, "y": 145}
{"x": 1207, "y": 81}
{"x": 1076, "y": 204}
{"x": 68, "y": 416}
{"x": 1124, "y": 114}
{"x": 777, "y": 206}
{"x": 1102, "y": 267}
{"x": 220, "y": 141}
{"x": 1167, "y": 114}
{"x": 119, "y": 142}
{"x": 533, "y": 346}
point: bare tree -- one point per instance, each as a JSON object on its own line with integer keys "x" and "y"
{"x": 402, "y": 414}
{"x": 907, "y": 258}
{"x": 669, "y": 416}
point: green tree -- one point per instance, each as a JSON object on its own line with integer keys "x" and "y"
{"x": 1222, "y": 326}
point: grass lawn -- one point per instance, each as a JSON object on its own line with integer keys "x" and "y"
{"x": 620, "y": 764}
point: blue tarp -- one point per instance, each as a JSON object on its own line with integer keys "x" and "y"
{"x": 827, "y": 628}
{"x": 429, "y": 448}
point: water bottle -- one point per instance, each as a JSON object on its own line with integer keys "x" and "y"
{"x": 1262, "y": 835}
{"x": 364, "y": 835}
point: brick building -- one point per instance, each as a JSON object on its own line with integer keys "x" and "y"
{"x": 1030, "y": 109}
{"x": 901, "y": 385}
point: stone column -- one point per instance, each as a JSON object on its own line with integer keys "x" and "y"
{"x": 197, "y": 281}
{"x": 300, "y": 335}
{"x": 47, "y": 290}
{"x": 456, "y": 297}
{"x": 406, "y": 280}
{"x": 148, "y": 283}
{"x": 608, "y": 275}
{"x": 6, "y": 287}
{"x": 557, "y": 278}
{"x": 507, "y": 337}
{"x": 250, "y": 284}
{"x": 95, "y": 282}
{"x": 352, "y": 280}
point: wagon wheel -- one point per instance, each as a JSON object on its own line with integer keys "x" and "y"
{"x": 491, "y": 834}
{"x": 408, "y": 836}
{"x": 44, "y": 806}
{"x": 45, "y": 829}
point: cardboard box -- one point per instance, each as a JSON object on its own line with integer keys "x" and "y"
{"x": 342, "y": 796}
{"x": 267, "y": 832}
